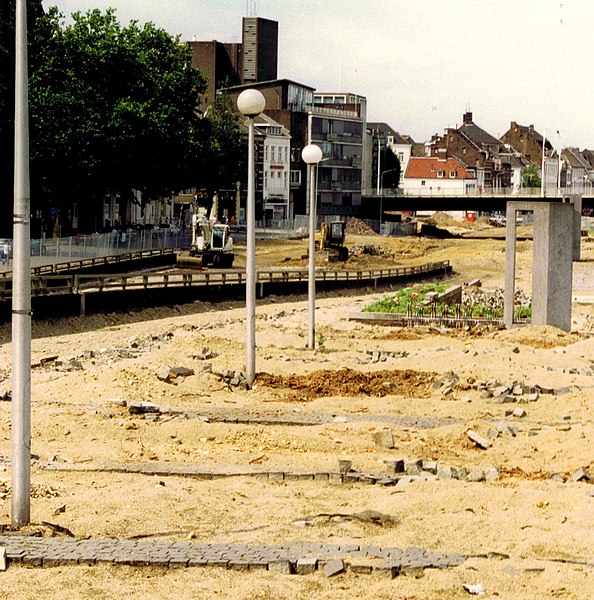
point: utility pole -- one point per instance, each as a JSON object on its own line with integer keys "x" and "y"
{"x": 21, "y": 287}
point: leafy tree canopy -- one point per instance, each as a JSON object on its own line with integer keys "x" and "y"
{"x": 530, "y": 176}
{"x": 112, "y": 109}
{"x": 390, "y": 166}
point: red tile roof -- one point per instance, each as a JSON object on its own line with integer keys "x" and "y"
{"x": 427, "y": 167}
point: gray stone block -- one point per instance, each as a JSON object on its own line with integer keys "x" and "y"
{"x": 580, "y": 474}
{"x": 306, "y": 566}
{"x": 476, "y": 475}
{"x": 281, "y": 566}
{"x": 479, "y": 440}
{"x": 384, "y": 439}
{"x": 334, "y": 567}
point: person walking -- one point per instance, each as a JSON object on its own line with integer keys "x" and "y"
{"x": 5, "y": 253}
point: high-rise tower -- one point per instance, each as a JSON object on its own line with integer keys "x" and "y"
{"x": 260, "y": 49}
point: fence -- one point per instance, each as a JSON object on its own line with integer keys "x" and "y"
{"x": 108, "y": 244}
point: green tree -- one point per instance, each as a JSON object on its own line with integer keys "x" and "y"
{"x": 7, "y": 46}
{"x": 113, "y": 109}
{"x": 530, "y": 176}
{"x": 390, "y": 164}
{"x": 227, "y": 147}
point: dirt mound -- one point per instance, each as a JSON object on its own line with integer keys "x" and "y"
{"x": 539, "y": 336}
{"x": 358, "y": 227}
{"x": 346, "y": 382}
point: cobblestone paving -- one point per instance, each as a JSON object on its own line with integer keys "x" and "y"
{"x": 294, "y": 557}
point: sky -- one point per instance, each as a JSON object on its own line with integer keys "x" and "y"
{"x": 421, "y": 64}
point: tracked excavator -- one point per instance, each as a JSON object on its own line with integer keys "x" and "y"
{"x": 212, "y": 244}
{"x": 331, "y": 239}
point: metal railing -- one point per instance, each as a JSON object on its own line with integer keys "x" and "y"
{"x": 109, "y": 244}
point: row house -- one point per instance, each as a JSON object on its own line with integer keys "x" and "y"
{"x": 433, "y": 176}
{"x": 527, "y": 141}
{"x": 484, "y": 156}
{"x": 576, "y": 172}
{"x": 276, "y": 166}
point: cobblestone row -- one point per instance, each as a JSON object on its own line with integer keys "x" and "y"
{"x": 294, "y": 557}
{"x": 398, "y": 473}
{"x": 154, "y": 412}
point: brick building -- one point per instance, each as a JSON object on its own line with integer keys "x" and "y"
{"x": 527, "y": 141}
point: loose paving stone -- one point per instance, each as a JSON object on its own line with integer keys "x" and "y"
{"x": 476, "y": 475}
{"x": 334, "y": 567}
{"x": 580, "y": 475}
{"x": 479, "y": 440}
{"x": 384, "y": 439}
{"x": 306, "y": 566}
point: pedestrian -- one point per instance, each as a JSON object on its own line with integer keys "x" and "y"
{"x": 5, "y": 253}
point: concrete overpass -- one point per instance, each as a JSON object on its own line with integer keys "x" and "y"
{"x": 372, "y": 203}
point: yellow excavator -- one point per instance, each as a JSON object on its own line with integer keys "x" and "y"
{"x": 331, "y": 239}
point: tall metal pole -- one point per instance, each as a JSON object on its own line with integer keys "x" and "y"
{"x": 251, "y": 103}
{"x": 21, "y": 289}
{"x": 312, "y": 155}
{"x": 379, "y": 159}
{"x": 311, "y": 285}
{"x": 250, "y": 279}
{"x": 542, "y": 181}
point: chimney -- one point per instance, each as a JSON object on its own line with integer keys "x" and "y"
{"x": 467, "y": 118}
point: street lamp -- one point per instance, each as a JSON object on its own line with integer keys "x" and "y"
{"x": 312, "y": 155}
{"x": 251, "y": 103}
{"x": 21, "y": 288}
{"x": 382, "y": 196}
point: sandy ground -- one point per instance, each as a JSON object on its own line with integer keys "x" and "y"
{"x": 545, "y": 527}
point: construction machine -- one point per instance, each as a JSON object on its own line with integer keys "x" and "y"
{"x": 331, "y": 240}
{"x": 211, "y": 244}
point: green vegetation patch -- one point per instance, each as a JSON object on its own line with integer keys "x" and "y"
{"x": 407, "y": 297}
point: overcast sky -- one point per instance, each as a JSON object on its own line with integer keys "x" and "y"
{"x": 420, "y": 63}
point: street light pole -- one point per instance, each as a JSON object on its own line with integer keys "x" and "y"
{"x": 21, "y": 290}
{"x": 312, "y": 155}
{"x": 251, "y": 103}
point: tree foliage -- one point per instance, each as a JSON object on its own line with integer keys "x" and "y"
{"x": 390, "y": 166}
{"x": 226, "y": 149}
{"x": 112, "y": 109}
{"x": 7, "y": 46}
{"x": 530, "y": 176}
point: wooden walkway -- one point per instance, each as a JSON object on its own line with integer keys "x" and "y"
{"x": 54, "y": 283}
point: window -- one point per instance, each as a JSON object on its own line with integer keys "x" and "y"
{"x": 295, "y": 177}
{"x": 441, "y": 173}
{"x": 423, "y": 182}
{"x": 453, "y": 174}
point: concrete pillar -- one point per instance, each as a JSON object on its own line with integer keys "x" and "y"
{"x": 552, "y": 268}
{"x": 553, "y": 264}
{"x": 510, "y": 264}
{"x": 576, "y": 200}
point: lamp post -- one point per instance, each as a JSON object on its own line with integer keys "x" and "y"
{"x": 21, "y": 290}
{"x": 382, "y": 196}
{"x": 250, "y": 103}
{"x": 312, "y": 155}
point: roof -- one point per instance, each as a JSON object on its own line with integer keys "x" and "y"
{"x": 427, "y": 167}
{"x": 388, "y": 131}
{"x": 575, "y": 159}
{"x": 478, "y": 136}
{"x": 266, "y": 84}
